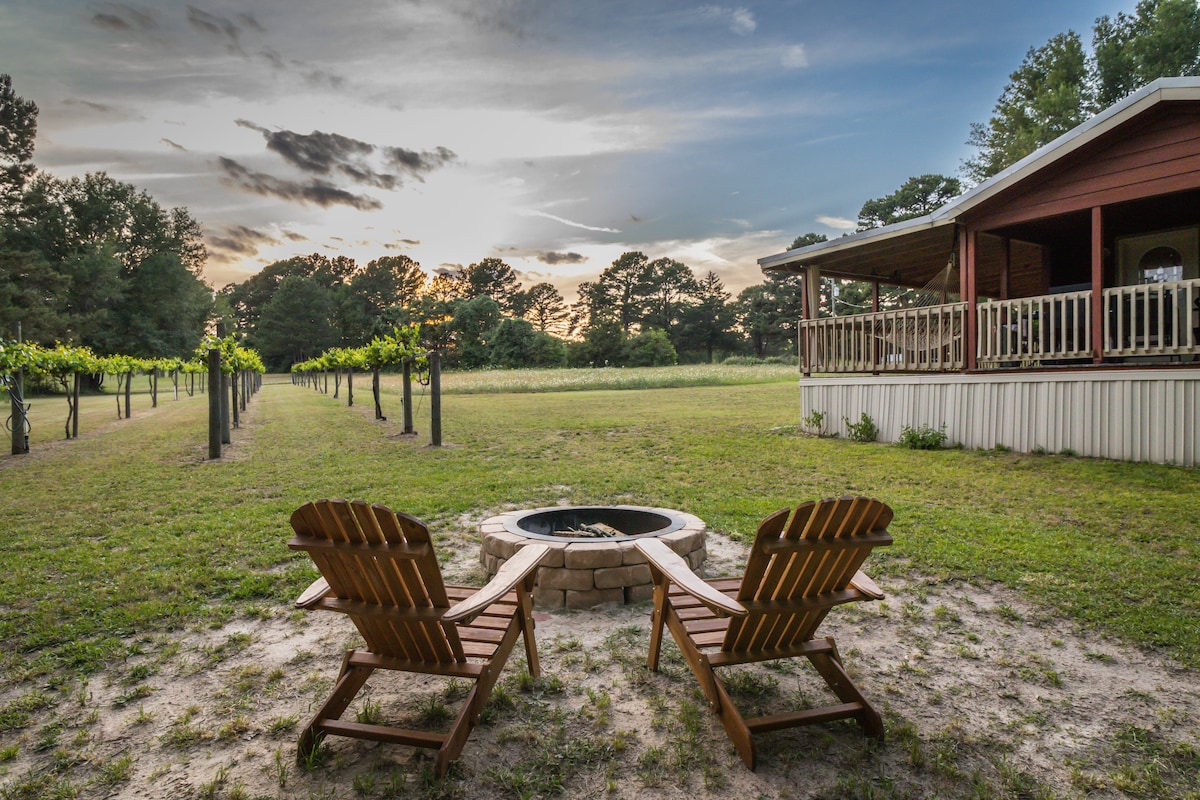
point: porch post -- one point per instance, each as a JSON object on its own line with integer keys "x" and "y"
{"x": 875, "y": 339}
{"x": 810, "y": 309}
{"x": 1005, "y": 266}
{"x": 1097, "y": 285}
{"x": 970, "y": 294}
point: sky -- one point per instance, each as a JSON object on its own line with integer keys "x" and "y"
{"x": 553, "y": 134}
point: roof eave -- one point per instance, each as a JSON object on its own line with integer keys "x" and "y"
{"x": 896, "y": 229}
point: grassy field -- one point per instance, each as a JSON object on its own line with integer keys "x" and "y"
{"x": 129, "y": 532}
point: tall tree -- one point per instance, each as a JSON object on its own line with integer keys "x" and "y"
{"x": 707, "y": 322}
{"x": 18, "y": 129}
{"x": 916, "y": 197}
{"x": 1045, "y": 97}
{"x": 543, "y": 305}
{"x": 618, "y": 294}
{"x": 667, "y": 286}
{"x": 389, "y": 281}
{"x": 492, "y": 278}
{"x": 296, "y": 323}
{"x": 1160, "y": 39}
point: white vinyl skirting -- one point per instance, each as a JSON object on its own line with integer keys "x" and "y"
{"x": 1128, "y": 415}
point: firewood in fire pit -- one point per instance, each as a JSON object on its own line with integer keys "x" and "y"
{"x": 594, "y": 530}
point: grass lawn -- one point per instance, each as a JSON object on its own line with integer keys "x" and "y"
{"x": 129, "y": 532}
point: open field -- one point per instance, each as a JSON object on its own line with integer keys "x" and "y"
{"x": 1041, "y": 637}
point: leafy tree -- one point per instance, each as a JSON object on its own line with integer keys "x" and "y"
{"x": 769, "y": 313}
{"x": 296, "y": 322}
{"x": 543, "y": 306}
{"x": 603, "y": 345}
{"x": 650, "y": 348}
{"x": 1160, "y": 39}
{"x": 805, "y": 239}
{"x": 667, "y": 286}
{"x": 388, "y": 281}
{"x": 916, "y": 197}
{"x": 473, "y": 319}
{"x": 492, "y": 278}
{"x": 18, "y": 129}
{"x": 707, "y": 323}
{"x": 515, "y": 343}
{"x": 1048, "y": 95}
{"x": 618, "y": 294}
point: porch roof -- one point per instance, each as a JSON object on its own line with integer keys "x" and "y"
{"x": 912, "y": 252}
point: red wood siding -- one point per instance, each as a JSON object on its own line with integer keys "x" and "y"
{"x": 1156, "y": 154}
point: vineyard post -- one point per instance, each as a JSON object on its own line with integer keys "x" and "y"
{"x": 435, "y": 399}
{"x": 407, "y": 399}
{"x": 75, "y": 399}
{"x": 214, "y": 404}
{"x": 128, "y": 389}
{"x": 349, "y": 386}
{"x": 16, "y": 395}
{"x": 221, "y": 387}
{"x": 233, "y": 398}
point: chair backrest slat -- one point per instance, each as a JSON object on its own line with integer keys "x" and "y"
{"x": 350, "y": 544}
{"x": 810, "y": 556}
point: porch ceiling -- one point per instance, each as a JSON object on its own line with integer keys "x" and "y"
{"x": 905, "y": 254}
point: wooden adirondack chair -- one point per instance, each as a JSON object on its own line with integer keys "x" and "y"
{"x": 797, "y": 570}
{"x": 379, "y": 569}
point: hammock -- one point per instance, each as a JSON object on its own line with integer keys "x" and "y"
{"x": 926, "y": 324}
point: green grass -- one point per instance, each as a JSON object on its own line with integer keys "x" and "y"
{"x": 133, "y": 531}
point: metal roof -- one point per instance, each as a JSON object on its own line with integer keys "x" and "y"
{"x": 884, "y": 251}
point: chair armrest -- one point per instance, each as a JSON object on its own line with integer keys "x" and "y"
{"x": 867, "y": 586}
{"x": 313, "y": 594}
{"x": 515, "y": 570}
{"x": 668, "y": 563}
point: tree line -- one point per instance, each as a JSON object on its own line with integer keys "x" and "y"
{"x": 638, "y": 312}
{"x": 92, "y": 261}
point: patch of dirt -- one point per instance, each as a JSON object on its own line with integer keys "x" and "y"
{"x": 978, "y": 689}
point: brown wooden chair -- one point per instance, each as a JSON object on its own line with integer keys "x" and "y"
{"x": 379, "y": 568}
{"x": 797, "y": 570}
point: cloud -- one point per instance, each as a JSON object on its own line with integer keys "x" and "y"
{"x": 175, "y": 145}
{"x": 741, "y": 21}
{"x": 402, "y": 244}
{"x": 795, "y": 57}
{"x": 837, "y": 223}
{"x": 547, "y": 257}
{"x": 316, "y": 191}
{"x": 122, "y": 18}
{"x": 101, "y": 107}
{"x": 240, "y": 240}
{"x": 215, "y": 25}
{"x": 573, "y": 224}
{"x": 324, "y": 153}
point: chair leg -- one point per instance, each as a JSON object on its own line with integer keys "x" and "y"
{"x": 830, "y": 667}
{"x": 525, "y": 616}
{"x": 734, "y": 724}
{"x": 350, "y": 681}
{"x": 657, "y": 620}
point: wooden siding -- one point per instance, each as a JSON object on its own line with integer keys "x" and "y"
{"x": 1155, "y": 155}
{"x": 1128, "y": 415}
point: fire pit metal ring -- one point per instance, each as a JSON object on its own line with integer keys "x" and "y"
{"x": 584, "y": 572}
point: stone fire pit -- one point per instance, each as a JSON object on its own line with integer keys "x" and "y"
{"x": 587, "y": 566}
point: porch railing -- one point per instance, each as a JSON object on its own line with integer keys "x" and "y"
{"x": 1152, "y": 319}
{"x": 1144, "y": 321}
{"x": 1029, "y": 330}
{"x": 912, "y": 339}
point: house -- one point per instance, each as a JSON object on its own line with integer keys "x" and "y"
{"x": 1058, "y": 302}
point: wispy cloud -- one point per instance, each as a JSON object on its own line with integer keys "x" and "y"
{"x": 837, "y": 223}
{"x": 123, "y": 18}
{"x": 572, "y": 223}
{"x": 740, "y": 20}
{"x": 795, "y": 57}
{"x": 316, "y": 191}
